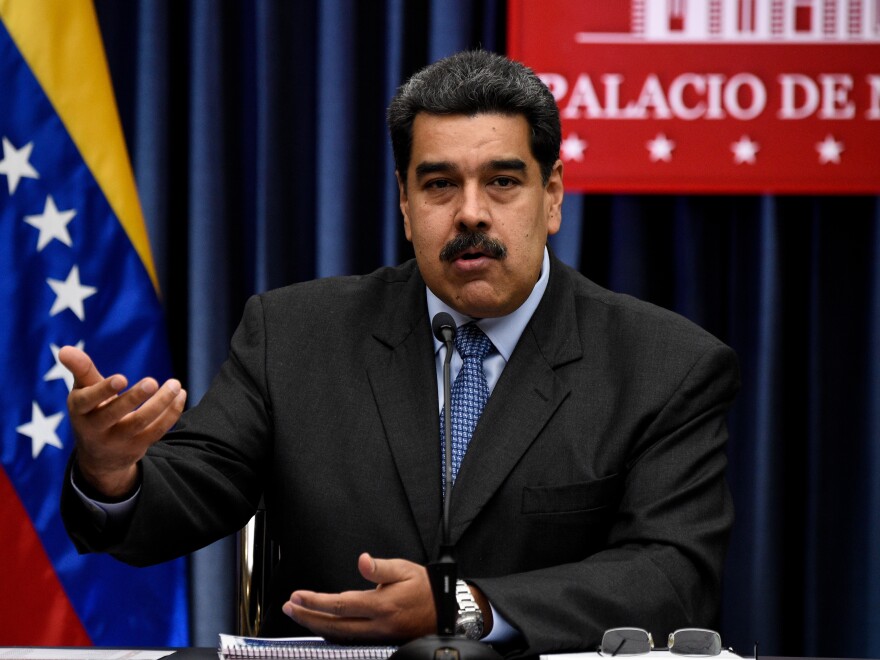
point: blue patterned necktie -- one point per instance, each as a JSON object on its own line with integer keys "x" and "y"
{"x": 469, "y": 394}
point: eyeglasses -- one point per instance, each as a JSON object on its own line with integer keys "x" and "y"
{"x": 636, "y": 641}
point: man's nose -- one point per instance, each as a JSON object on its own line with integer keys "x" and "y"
{"x": 473, "y": 212}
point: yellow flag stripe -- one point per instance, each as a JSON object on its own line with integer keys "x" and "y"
{"x": 61, "y": 42}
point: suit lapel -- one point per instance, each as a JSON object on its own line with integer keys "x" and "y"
{"x": 525, "y": 397}
{"x": 402, "y": 375}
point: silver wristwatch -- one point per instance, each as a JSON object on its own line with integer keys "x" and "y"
{"x": 469, "y": 622}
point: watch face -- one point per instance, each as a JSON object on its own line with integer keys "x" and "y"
{"x": 470, "y": 625}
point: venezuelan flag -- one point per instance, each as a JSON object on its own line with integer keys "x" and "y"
{"x": 75, "y": 268}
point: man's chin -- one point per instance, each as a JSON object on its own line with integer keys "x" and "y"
{"x": 480, "y": 304}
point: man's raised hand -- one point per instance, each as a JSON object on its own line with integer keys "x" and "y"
{"x": 114, "y": 426}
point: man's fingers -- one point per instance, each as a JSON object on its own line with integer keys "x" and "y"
{"x": 334, "y": 628}
{"x": 132, "y": 411}
{"x": 144, "y": 403}
{"x": 347, "y": 605}
{"x": 165, "y": 419}
{"x": 85, "y": 399}
{"x": 367, "y": 567}
{"x": 106, "y": 403}
{"x": 384, "y": 571}
{"x": 80, "y": 365}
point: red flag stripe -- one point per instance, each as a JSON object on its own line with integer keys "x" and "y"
{"x": 39, "y": 609}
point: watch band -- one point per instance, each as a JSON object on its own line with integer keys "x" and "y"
{"x": 465, "y": 598}
{"x": 470, "y": 618}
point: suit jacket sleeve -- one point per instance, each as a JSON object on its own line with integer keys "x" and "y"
{"x": 201, "y": 482}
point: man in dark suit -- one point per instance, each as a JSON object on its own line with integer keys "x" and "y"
{"x": 592, "y": 492}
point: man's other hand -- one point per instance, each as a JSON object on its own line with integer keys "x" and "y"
{"x": 400, "y": 608}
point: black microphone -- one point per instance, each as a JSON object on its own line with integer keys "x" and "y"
{"x": 443, "y": 326}
{"x": 443, "y": 573}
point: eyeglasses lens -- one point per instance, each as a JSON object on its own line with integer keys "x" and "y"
{"x": 625, "y": 641}
{"x": 695, "y": 642}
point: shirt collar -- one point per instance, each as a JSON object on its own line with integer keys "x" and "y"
{"x": 503, "y": 331}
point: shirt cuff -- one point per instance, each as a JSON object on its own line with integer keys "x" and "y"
{"x": 501, "y": 631}
{"x": 105, "y": 512}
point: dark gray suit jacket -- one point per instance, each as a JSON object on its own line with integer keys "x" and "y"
{"x": 592, "y": 494}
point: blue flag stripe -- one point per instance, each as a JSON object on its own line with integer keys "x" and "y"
{"x": 96, "y": 291}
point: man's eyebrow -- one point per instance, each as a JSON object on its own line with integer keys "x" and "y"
{"x": 506, "y": 164}
{"x": 432, "y": 167}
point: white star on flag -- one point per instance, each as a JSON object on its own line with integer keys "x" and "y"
{"x": 70, "y": 294}
{"x": 52, "y": 224}
{"x": 59, "y": 371}
{"x": 829, "y": 150}
{"x": 744, "y": 150}
{"x": 661, "y": 148}
{"x": 41, "y": 430}
{"x": 573, "y": 148}
{"x": 15, "y": 164}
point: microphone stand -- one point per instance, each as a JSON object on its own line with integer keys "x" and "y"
{"x": 443, "y": 573}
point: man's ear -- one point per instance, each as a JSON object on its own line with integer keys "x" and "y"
{"x": 554, "y": 192}
{"x": 404, "y": 205}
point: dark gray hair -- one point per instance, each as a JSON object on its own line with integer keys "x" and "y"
{"x": 471, "y": 83}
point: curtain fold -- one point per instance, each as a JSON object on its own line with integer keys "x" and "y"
{"x": 336, "y": 133}
{"x": 870, "y": 589}
{"x": 258, "y": 138}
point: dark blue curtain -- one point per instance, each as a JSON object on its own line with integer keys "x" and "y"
{"x": 256, "y": 130}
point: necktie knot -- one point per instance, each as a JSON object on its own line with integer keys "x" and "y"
{"x": 471, "y": 342}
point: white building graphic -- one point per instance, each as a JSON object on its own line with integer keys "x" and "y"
{"x": 749, "y": 21}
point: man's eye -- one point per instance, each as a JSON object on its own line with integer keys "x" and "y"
{"x": 504, "y": 182}
{"x": 438, "y": 184}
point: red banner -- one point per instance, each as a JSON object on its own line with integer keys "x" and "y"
{"x": 743, "y": 96}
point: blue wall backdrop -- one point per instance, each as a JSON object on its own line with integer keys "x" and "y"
{"x": 257, "y": 133}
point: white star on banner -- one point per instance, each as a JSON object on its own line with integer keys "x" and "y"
{"x": 573, "y": 148}
{"x": 41, "y": 430}
{"x": 15, "y": 164}
{"x": 52, "y": 224}
{"x": 744, "y": 150}
{"x": 59, "y": 371}
{"x": 829, "y": 150}
{"x": 661, "y": 148}
{"x": 70, "y": 294}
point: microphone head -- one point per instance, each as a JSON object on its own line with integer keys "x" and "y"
{"x": 443, "y": 326}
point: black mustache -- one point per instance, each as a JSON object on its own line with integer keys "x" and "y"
{"x": 473, "y": 240}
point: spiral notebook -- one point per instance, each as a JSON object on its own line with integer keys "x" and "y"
{"x": 234, "y": 647}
